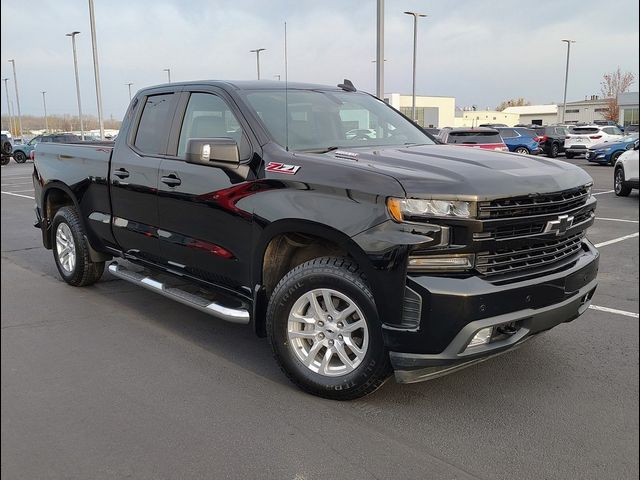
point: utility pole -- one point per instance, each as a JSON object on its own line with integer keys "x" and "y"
{"x": 380, "y": 50}
{"x": 15, "y": 85}
{"x": 6, "y": 89}
{"x": 75, "y": 67}
{"x": 415, "y": 47}
{"x": 566, "y": 78}
{"x": 129, "y": 85}
{"x": 168, "y": 70}
{"x": 96, "y": 68}
{"x": 257, "y": 52}
{"x": 46, "y": 120}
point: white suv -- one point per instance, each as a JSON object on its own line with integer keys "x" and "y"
{"x": 581, "y": 138}
{"x": 625, "y": 176}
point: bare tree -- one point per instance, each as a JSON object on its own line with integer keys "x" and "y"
{"x": 514, "y": 102}
{"x": 611, "y": 86}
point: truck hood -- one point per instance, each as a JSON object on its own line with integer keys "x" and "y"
{"x": 431, "y": 170}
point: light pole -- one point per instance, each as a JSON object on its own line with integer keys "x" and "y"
{"x": 257, "y": 52}
{"x": 129, "y": 85}
{"x": 168, "y": 70}
{"x": 380, "y": 50}
{"x": 44, "y": 103}
{"x": 415, "y": 47}
{"x": 566, "y": 78}
{"x": 6, "y": 89}
{"x": 96, "y": 68}
{"x": 15, "y": 85}
{"x": 75, "y": 68}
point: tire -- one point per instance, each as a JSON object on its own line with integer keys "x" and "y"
{"x": 5, "y": 160}
{"x": 522, "y": 150}
{"x": 619, "y": 185}
{"x": 554, "y": 150}
{"x": 615, "y": 157}
{"x": 569, "y": 155}
{"x": 75, "y": 267}
{"x": 341, "y": 280}
{"x": 19, "y": 156}
{"x": 6, "y": 148}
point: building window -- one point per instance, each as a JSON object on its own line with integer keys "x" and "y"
{"x": 573, "y": 110}
{"x": 601, "y": 110}
{"x": 419, "y": 114}
{"x": 630, "y": 115}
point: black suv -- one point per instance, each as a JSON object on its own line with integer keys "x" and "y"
{"x": 551, "y": 139}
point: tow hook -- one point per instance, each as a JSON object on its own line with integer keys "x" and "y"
{"x": 508, "y": 329}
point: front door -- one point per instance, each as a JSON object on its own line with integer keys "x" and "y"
{"x": 203, "y": 229}
{"x": 135, "y": 169}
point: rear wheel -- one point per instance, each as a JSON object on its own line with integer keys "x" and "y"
{"x": 5, "y": 160}
{"x": 522, "y": 150}
{"x": 19, "y": 156}
{"x": 619, "y": 185}
{"x": 324, "y": 330}
{"x": 70, "y": 250}
{"x": 554, "y": 150}
{"x": 569, "y": 155}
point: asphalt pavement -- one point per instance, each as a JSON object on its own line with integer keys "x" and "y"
{"x": 113, "y": 381}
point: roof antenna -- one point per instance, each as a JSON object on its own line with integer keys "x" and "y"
{"x": 347, "y": 85}
{"x": 286, "y": 90}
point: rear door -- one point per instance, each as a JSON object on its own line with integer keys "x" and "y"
{"x": 135, "y": 167}
{"x": 204, "y": 230}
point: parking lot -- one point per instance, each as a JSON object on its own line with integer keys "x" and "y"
{"x": 113, "y": 381}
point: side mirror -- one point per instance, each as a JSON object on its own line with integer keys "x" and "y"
{"x": 211, "y": 151}
{"x": 636, "y": 147}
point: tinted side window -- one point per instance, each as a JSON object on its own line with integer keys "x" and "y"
{"x": 508, "y": 133}
{"x": 208, "y": 116}
{"x": 153, "y": 130}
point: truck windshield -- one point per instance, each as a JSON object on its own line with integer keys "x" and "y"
{"x": 324, "y": 120}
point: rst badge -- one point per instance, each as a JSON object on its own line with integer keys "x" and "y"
{"x": 282, "y": 168}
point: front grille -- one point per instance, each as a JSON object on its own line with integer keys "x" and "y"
{"x": 547, "y": 203}
{"x": 536, "y": 255}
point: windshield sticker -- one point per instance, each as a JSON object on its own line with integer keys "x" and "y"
{"x": 282, "y": 168}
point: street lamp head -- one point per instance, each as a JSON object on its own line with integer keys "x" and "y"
{"x": 257, "y": 50}
{"x": 71, "y": 34}
{"x": 416, "y": 14}
{"x": 568, "y": 41}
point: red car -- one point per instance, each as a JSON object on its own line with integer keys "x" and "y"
{"x": 481, "y": 137}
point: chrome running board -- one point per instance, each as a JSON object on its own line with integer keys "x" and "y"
{"x": 195, "y": 300}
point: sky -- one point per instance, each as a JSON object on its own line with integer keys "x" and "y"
{"x": 479, "y": 51}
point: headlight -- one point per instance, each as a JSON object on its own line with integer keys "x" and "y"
{"x": 589, "y": 188}
{"x": 402, "y": 209}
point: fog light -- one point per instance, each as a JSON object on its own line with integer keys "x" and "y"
{"x": 483, "y": 336}
{"x": 441, "y": 262}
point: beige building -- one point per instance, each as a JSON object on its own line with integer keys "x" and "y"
{"x": 628, "y": 103}
{"x": 431, "y": 112}
{"x": 535, "y": 114}
{"x": 475, "y": 118}
{"x": 584, "y": 111}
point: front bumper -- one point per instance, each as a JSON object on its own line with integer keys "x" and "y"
{"x": 597, "y": 157}
{"x": 454, "y": 310}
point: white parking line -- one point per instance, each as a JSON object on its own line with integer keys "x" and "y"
{"x": 15, "y": 177}
{"x": 613, "y": 310}
{"x": 617, "y": 220}
{"x": 16, "y": 183}
{"x": 616, "y": 240}
{"x": 22, "y": 191}
{"x": 601, "y": 193}
{"x": 17, "y": 195}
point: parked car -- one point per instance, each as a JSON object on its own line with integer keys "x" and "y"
{"x": 580, "y": 138}
{"x": 355, "y": 258}
{"x": 551, "y": 139}
{"x": 608, "y": 153}
{"x": 486, "y": 138}
{"x": 520, "y": 140}
{"x": 6, "y": 148}
{"x": 631, "y": 128}
{"x": 432, "y": 131}
{"x": 625, "y": 174}
{"x": 22, "y": 152}
{"x": 493, "y": 125}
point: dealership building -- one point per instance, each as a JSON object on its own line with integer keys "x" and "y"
{"x": 628, "y": 103}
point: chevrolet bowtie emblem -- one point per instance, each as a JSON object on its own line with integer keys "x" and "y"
{"x": 559, "y": 226}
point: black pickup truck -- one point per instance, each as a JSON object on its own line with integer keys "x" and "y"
{"x": 356, "y": 255}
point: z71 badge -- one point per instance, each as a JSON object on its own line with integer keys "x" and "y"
{"x": 282, "y": 168}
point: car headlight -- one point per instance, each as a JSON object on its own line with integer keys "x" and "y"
{"x": 430, "y": 263}
{"x": 589, "y": 188}
{"x": 402, "y": 209}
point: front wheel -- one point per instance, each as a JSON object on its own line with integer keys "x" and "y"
{"x": 324, "y": 330}
{"x": 614, "y": 158}
{"x": 569, "y": 155}
{"x": 70, "y": 250}
{"x": 619, "y": 185}
{"x": 20, "y": 156}
{"x": 5, "y": 160}
{"x": 554, "y": 150}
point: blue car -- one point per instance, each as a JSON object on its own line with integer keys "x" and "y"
{"x": 608, "y": 153}
{"x": 520, "y": 140}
